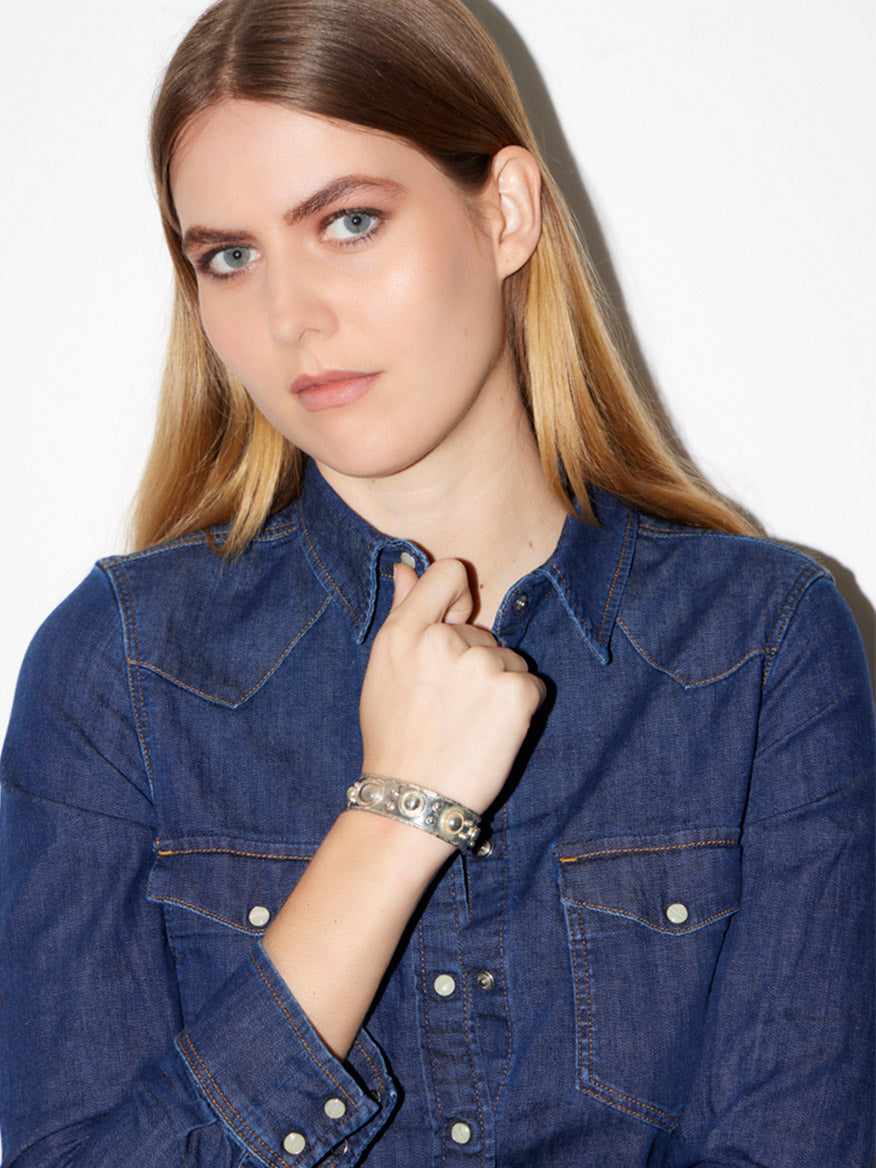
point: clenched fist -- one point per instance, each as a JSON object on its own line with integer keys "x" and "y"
{"x": 443, "y": 704}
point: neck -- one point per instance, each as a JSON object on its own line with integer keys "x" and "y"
{"x": 492, "y": 508}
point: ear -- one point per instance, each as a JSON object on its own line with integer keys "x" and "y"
{"x": 514, "y": 192}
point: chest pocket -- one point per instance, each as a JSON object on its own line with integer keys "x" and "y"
{"x": 646, "y": 919}
{"x": 219, "y": 896}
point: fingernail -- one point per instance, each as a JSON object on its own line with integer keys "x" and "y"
{"x": 407, "y": 558}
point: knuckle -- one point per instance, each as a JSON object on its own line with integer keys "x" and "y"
{"x": 525, "y": 691}
{"x": 438, "y": 637}
{"x": 452, "y": 569}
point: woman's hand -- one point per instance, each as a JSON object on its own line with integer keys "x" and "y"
{"x": 443, "y": 704}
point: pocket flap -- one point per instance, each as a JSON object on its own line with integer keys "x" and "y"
{"x": 671, "y": 883}
{"x": 240, "y": 883}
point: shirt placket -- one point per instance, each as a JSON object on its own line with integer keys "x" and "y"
{"x": 458, "y": 1092}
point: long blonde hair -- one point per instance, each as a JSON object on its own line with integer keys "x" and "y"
{"x": 426, "y": 71}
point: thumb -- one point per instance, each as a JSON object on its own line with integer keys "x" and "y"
{"x": 403, "y": 578}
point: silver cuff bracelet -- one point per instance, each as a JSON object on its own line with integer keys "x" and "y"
{"x": 408, "y": 803}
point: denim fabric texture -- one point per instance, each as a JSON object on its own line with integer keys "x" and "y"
{"x": 662, "y": 957}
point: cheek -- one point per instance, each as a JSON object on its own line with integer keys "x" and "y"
{"x": 228, "y": 333}
{"x": 444, "y": 296}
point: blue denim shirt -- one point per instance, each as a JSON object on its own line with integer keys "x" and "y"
{"x": 660, "y": 956}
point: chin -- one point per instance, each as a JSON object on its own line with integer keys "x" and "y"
{"x": 370, "y": 461}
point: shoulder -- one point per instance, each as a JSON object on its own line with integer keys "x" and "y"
{"x": 211, "y": 623}
{"x": 72, "y": 737}
{"x": 751, "y": 572}
{"x": 701, "y": 604}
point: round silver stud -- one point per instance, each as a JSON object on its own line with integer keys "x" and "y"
{"x": 412, "y": 803}
{"x": 370, "y": 792}
{"x": 453, "y": 822}
{"x": 485, "y": 980}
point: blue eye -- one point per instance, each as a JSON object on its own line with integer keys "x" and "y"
{"x": 230, "y": 260}
{"x": 350, "y": 225}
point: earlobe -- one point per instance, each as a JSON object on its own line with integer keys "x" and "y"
{"x": 516, "y": 185}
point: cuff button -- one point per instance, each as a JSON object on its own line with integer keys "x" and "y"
{"x": 335, "y": 1108}
{"x": 294, "y": 1143}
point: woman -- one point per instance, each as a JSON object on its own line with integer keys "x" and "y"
{"x": 609, "y": 908}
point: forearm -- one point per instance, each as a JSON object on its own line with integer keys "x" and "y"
{"x": 442, "y": 705}
{"x": 335, "y": 936}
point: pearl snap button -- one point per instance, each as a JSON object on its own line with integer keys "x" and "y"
{"x": 407, "y": 558}
{"x": 677, "y": 914}
{"x": 294, "y": 1143}
{"x": 445, "y": 985}
{"x": 335, "y": 1108}
{"x": 259, "y": 916}
{"x": 460, "y": 1133}
{"x": 485, "y": 979}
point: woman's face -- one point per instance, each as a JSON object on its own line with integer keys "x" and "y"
{"x": 348, "y": 284}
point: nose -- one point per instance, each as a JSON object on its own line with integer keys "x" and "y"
{"x": 299, "y": 303}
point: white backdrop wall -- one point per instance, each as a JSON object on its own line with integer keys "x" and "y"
{"x": 720, "y": 155}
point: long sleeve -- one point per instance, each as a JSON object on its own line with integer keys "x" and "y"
{"x": 98, "y": 1067}
{"x": 785, "y": 1077}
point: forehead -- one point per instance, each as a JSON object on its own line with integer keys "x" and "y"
{"x": 240, "y": 150}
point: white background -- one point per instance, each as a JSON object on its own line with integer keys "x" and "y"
{"x": 720, "y": 154}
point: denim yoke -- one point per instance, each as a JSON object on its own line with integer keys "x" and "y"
{"x": 660, "y": 954}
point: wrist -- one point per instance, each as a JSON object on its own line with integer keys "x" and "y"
{"x": 411, "y": 805}
{"x": 409, "y": 859}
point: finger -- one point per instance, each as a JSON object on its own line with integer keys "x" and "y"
{"x": 440, "y": 593}
{"x": 472, "y": 635}
{"x": 512, "y": 662}
{"x": 497, "y": 657}
{"x": 404, "y": 578}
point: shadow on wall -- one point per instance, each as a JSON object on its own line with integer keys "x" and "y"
{"x": 564, "y": 169}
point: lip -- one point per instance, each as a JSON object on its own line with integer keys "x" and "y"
{"x": 334, "y": 387}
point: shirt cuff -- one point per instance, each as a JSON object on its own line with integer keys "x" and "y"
{"x": 271, "y": 1081}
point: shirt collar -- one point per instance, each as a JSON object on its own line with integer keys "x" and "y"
{"x": 588, "y": 568}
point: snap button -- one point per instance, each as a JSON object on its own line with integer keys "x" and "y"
{"x": 677, "y": 914}
{"x": 485, "y": 979}
{"x": 520, "y": 603}
{"x": 445, "y": 985}
{"x": 259, "y": 916}
{"x": 485, "y": 849}
{"x": 407, "y": 558}
{"x": 294, "y": 1143}
{"x": 460, "y": 1133}
{"x": 335, "y": 1108}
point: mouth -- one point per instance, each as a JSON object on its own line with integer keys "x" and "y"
{"x": 334, "y": 387}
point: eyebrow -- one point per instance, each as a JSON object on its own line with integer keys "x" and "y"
{"x": 318, "y": 201}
